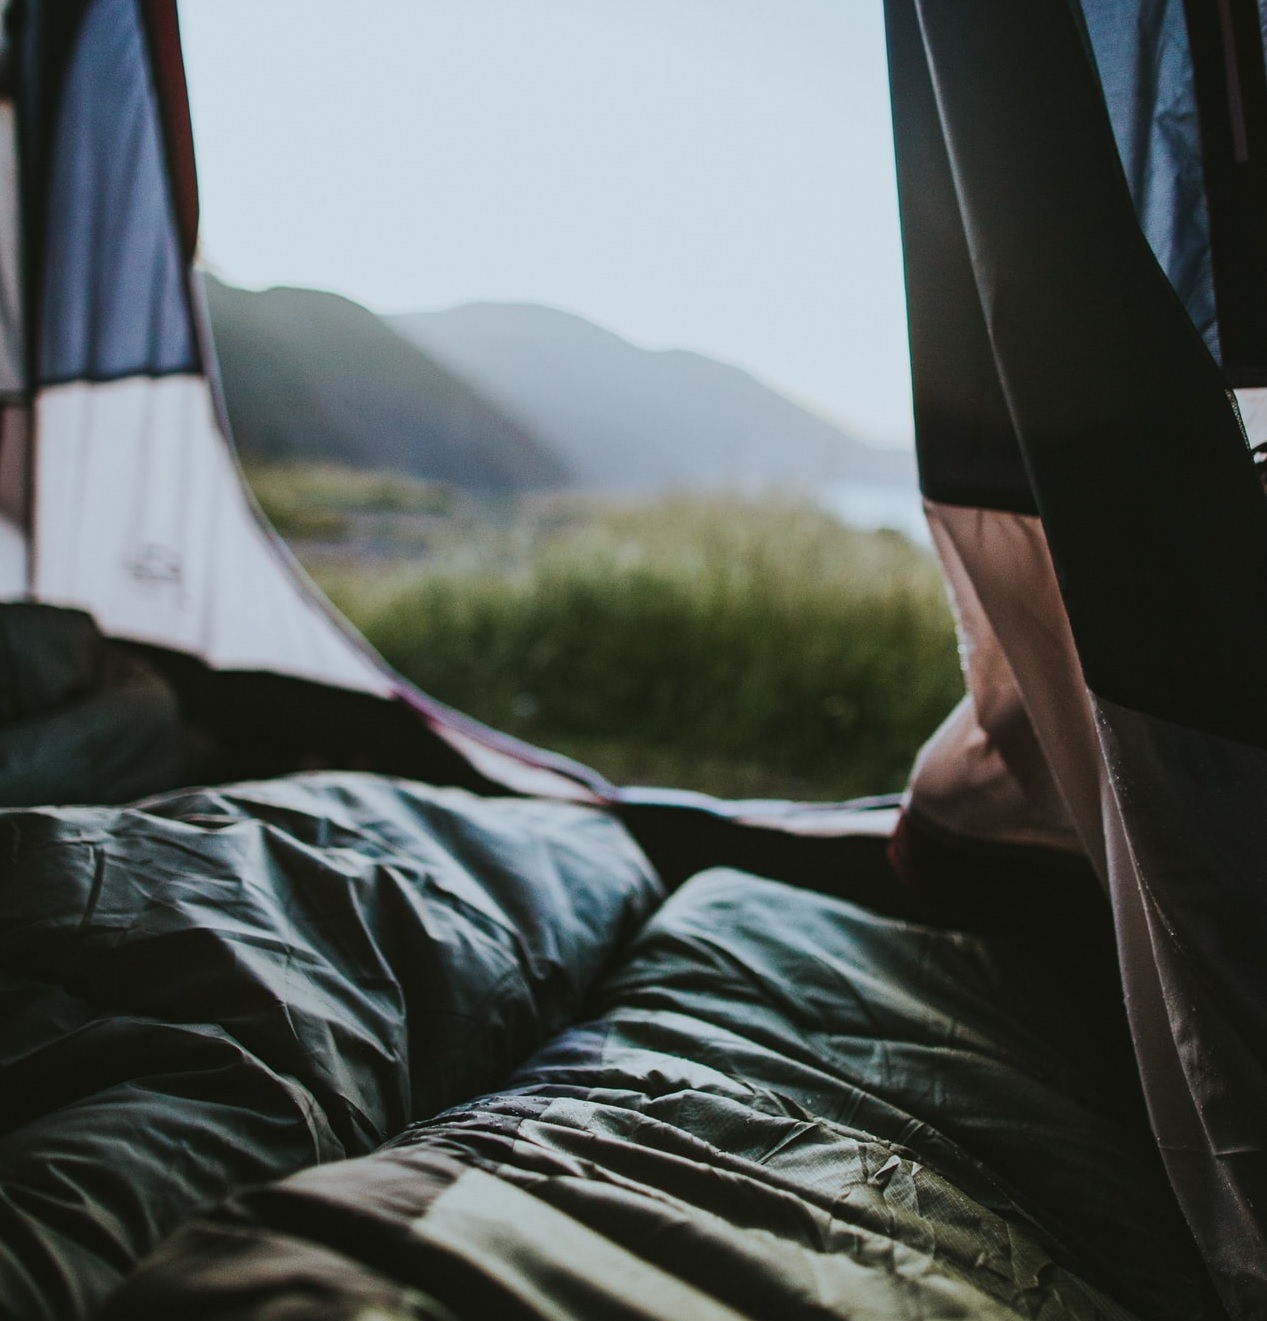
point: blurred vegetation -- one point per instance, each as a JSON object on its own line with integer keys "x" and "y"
{"x": 321, "y": 501}
{"x": 741, "y": 647}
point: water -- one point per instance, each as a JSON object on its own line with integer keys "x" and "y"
{"x": 867, "y": 506}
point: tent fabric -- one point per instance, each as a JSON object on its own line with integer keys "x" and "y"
{"x": 217, "y": 988}
{"x": 1110, "y": 647}
{"x": 143, "y": 521}
{"x": 162, "y": 27}
{"x": 114, "y": 300}
{"x": 1169, "y": 819}
{"x": 13, "y": 560}
{"x": 1226, "y": 44}
{"x": 127, "y": 502}
{"x": 1006, "y": 765}
{"x": 1146, "y": 488}
{"x": 13, "y": 374}
{"x": 124, "y": 498}
{"x": 786, "y": 1107}
{"x": 119, "y": 494}
{"x": 1145, "y": 69}
{"x": 140, "y": 514}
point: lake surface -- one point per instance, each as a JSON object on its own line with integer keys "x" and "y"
{"x": 866, "y": 506}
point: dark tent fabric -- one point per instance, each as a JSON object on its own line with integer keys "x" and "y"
{"x": 1111, "y": 647}
{"x": 1144, "y": 59}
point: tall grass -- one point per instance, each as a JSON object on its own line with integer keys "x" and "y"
{"x": 742, "y": 647}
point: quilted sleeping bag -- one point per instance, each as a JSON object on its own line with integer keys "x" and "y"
{"x": 784, "y": 1107}
{"x": 340, "y": 1046}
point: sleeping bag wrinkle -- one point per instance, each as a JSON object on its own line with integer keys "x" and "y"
{"x": 218, "y": 987}
{"x": 492, "y": 1241}
{"x": 168, "y": 1119}
{"x": 686, "y": 1153}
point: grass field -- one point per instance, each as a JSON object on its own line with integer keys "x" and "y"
{"x": 736, "y": 646}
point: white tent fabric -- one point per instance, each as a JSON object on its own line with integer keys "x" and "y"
{"x": 1253, "y": 405}
{"x": 141, "y": 518}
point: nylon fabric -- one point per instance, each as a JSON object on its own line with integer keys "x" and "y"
{"x": 114, "y": 301}
{"x": 1187, "y": 876}
{"x": 1153, "y": 512}
{"x": 217, "y": 988}
{"x": 1142, "y": 56}
{"x": 1157, "y": 530}
{"x": 987, "y": 772}
{"x": 964, "y": 437}
{"x": 789, "y": 1106}
{"x": 142, "y": 520}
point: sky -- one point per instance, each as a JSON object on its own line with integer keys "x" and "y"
{"x": 705, "y": 174}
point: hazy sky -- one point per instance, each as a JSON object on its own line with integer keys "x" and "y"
{"x": 709, "y": 174}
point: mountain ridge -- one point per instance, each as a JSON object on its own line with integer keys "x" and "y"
{"x": 312, "y": 375}
{"x": 499, "y": 398}
{"x": 631, "y": 418}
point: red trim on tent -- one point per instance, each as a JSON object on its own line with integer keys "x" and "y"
{"x": 162, "y": 28}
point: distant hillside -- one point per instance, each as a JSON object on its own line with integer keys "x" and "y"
{"x": 630, "y": 419}
{"x": 310, "y": 375}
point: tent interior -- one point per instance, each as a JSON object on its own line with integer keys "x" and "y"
{"x": 324, "y": 1000}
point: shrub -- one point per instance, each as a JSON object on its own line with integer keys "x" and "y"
{"x": 695, "y": 634}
